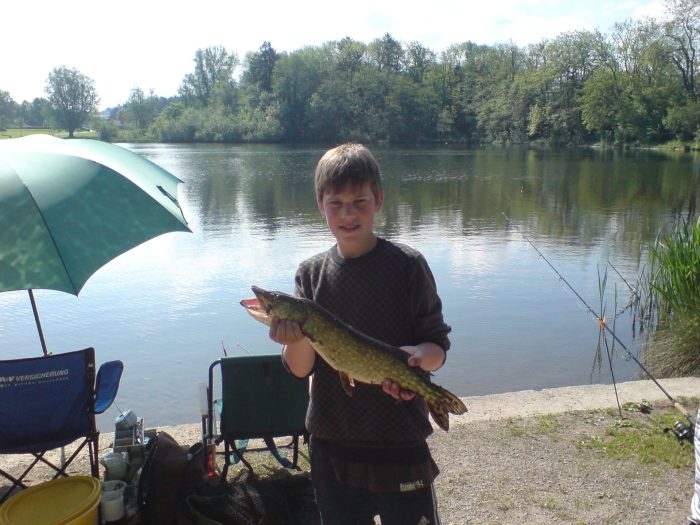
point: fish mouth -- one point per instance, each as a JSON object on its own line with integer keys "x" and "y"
{"x": 253, "y": 305}
{"x": 266, "y": 300}
{"x": 259, "y": 307}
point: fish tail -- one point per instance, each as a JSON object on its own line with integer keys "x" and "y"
{"x": 445, "y": 404}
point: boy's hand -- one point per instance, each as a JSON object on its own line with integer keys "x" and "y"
{"x": 285, "y": 332}
{"x": 427, "y": 356}
{"x": 394, "y": 389}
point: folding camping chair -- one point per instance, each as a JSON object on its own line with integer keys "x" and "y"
{"x": 259, "y": 399}
{"x": 50, "y": 401}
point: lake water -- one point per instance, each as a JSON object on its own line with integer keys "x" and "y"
{"x": 169, "y": 307}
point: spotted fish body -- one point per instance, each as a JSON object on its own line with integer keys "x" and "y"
{"x": 356, "y": 356}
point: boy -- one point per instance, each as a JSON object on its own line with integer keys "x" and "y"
{"x": 368, "y": 452}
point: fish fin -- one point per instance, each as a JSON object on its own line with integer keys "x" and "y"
{"x": 347, "y": 382}
{"x": 440, "y": 415}
{"x": 447, "y": 404}
{"x": 450, "y": 402}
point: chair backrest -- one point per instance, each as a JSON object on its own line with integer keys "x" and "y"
{"x": 107, "y": 385}
{"x": 261, "y": 398}
{"x": 46, "y": 402}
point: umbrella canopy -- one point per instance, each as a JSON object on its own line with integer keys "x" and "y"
{"x": 67, "y": 207}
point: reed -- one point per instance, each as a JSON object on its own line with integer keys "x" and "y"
{"x": 671, "y": 302}
{"x": 677, "y": 281}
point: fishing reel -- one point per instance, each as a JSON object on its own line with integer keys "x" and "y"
{"x": 682, "y": 431}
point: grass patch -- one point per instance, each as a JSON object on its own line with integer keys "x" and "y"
{"x": 514, "y": 430}
{"x": 643, "y": 440}
{"x": 548, "y": 424}
{"x": 14, "y": 133}
{"x": 549, "y": 503}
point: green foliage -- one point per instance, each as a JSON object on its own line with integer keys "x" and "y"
{"x": 260, "y": 67}
{"x": 8, "y": 109}
{"x": 683, "y": 120}
{"x": 636, "y": 85}
{"x": 672, "y": 297}
{"x": 178, "y": 124}
{"x": 108, "y": 132}
{"x": 214, "y": 67}
{"x": 677, "y": 256}
{"x": 72, "y": 97}
{"x": 141, "y": 109}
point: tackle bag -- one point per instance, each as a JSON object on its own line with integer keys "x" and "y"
{"x": 170, "y": 473}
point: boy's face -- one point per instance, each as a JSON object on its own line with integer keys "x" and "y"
{"x": 350, "y": 214}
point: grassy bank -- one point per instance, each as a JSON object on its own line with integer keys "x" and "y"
{"x": 13, "y": 133}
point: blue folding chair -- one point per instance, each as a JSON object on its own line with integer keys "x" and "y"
{"x": 50, "y": 401}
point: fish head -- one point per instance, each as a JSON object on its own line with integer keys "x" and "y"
{"x": 256, "y": 310}
{"x": 275, "y": 304}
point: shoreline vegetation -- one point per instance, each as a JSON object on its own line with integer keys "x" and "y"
{"x": 559, "y": 455}
{"x": 672, "y": 145}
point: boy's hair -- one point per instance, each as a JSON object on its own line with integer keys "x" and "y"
{"x": 347, "y": 164}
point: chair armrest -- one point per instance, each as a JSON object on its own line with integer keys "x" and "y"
{"x": 107, "y": 385}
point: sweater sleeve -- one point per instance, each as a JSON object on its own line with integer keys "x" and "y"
{"x": 429, "y": 325}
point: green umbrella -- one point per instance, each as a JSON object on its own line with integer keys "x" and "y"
{"x": 68, "y": 207}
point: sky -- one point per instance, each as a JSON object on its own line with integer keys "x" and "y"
{"x": 151, "y": 44}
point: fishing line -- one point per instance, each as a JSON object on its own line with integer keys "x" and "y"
{"x": 604, "y": 325}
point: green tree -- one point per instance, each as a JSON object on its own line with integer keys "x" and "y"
{"x": 412, "y": 112}
{"x": 295, "y": 80}
{"x": 602, "y": 104}
{"x": 34, "y": 113}
{"x": 683, "y": 34}
{"x": 8, "y": 109}
{"x": 444, "y": 77}
{"x": 331, "y": 115}
{"x": 214, "y": 67}
{"x": 645, "y": 80}
{"x": 349, "y": 57}
{"x": 386, "y": 54}
{"x": 419, "y": 59}
{"x": 72, "y": 97}
{"x": 260, "y": 67}
{"x": 141, "y": 109}
{"x": 570, "y": 59}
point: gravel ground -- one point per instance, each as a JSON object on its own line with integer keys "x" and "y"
{"x": 525, "y": 471}
{"x": 499, "y": 468}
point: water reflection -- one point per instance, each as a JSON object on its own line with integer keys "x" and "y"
{"x": 169, "y": 307}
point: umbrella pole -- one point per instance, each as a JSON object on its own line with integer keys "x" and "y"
{"x": 38, "y": 323}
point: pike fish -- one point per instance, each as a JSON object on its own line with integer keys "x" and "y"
{"x": 356, "y": 356}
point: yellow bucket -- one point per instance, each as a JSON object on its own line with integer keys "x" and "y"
{"x": 65, "y": 501}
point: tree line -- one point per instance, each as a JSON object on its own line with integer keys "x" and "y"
{"x": 635, "y": 85}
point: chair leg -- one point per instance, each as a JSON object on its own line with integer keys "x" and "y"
{"x": 239, "y": 455}
{"x": 36, "y": 460}
{"x": 295, "y": 456}
{"x": 16, "y": 483}
{"x": 227, "y": 461}
{"x": 93, "y": 448}
{"x": 61, "y": 471}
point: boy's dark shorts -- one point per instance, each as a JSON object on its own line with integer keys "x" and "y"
{"x": 353, "y": 484}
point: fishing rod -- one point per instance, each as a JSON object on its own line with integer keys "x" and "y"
{"x": 681, "y": 431}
